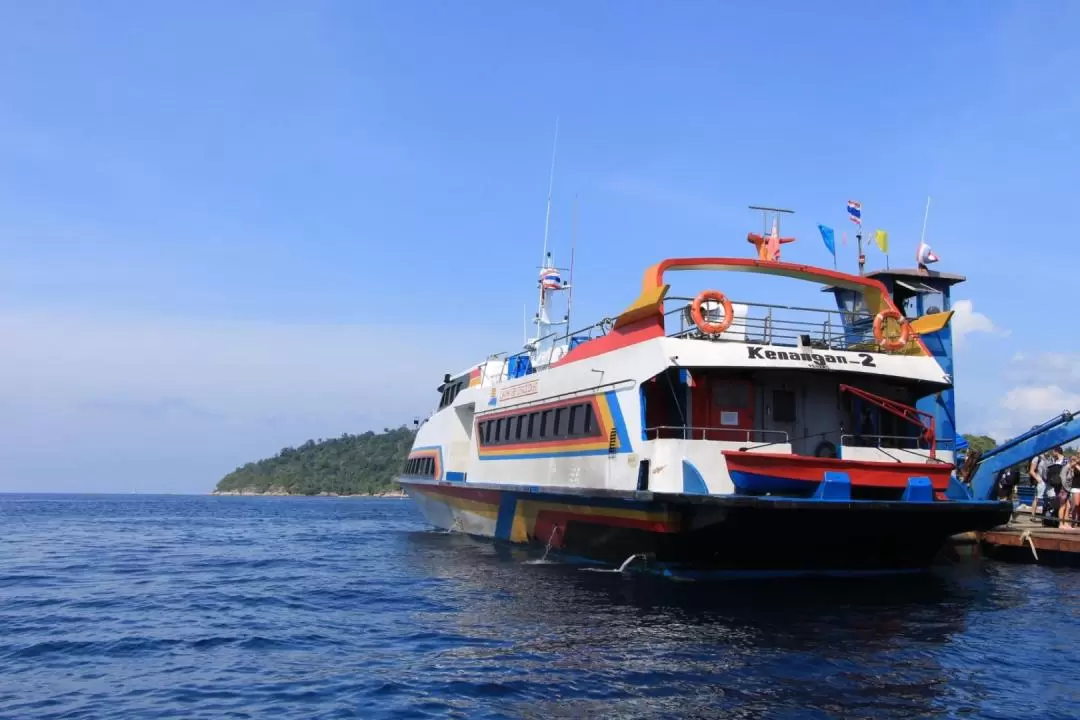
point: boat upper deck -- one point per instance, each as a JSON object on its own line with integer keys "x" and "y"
{"x": 850, "y": 326}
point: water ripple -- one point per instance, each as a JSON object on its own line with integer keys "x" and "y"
{"x": 189, "y": 607}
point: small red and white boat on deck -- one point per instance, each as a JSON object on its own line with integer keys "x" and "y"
{"x": 774, "y": 473}
{"x": 703, "y": 433}
{"x": 767, "y": 473}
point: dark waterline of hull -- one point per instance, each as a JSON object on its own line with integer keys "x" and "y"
{"x": 735, "y": 533}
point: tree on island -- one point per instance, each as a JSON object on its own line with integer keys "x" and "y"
{"x": 980, "y": 443}
{"x": 349, "y": 465}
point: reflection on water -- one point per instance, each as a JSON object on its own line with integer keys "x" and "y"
{"x": 635, "y": 645}
{"x": 292, "y": 608}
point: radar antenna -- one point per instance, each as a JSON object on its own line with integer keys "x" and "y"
{"x": 768, "y": 243}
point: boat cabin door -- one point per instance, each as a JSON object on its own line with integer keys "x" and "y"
{"x": 723, "y": 409}
{"x": 780, "y": 405}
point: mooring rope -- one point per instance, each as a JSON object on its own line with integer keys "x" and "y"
{"x": 1026, "y": 535}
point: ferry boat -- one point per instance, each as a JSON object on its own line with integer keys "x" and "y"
{"x": 700, "y": 434}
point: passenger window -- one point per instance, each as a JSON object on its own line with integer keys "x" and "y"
{"x": 545, "y": 423}
{"x": 731, "y": 395}
{"x": 534, "y": 425}
{"x": 517, "y": 426}
{"x": 498, "y": 431}
{"x": 559, "y": 429}
{"x": 587, "y": 420}
{"x": 506, "y": 433}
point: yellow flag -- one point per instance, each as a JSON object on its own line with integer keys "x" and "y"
{"x": 882, "y": 239}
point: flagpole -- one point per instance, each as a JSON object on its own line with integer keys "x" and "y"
{"x": 862, "y": 258}
{"x": 925, "y": 217}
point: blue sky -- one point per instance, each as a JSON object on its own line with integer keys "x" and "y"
{"x": 226, "y": 230}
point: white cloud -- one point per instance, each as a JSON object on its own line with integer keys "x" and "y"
{"x": 92, "y": 403}
{"x": 966, "y": 321}
{"x": 1043, "y": 385}
{"x": 1040, "y": 402}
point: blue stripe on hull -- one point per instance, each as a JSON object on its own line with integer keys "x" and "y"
{"x": 758, "y": 483}
{"x": 733, "y": 536}
{"x": 505, "y": 520}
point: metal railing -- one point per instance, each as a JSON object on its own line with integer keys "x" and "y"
{"x": 892, "y": 442}
{"x": 898, "y": 447}
{"x": 779, "y": 325}
{"x": 683, "y": 432}
{"x": 784, "y": 325}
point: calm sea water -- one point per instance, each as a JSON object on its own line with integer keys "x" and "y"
{"x": 198, "y": 607}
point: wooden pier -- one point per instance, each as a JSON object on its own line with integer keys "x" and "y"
{"x": 1021, "y": 541}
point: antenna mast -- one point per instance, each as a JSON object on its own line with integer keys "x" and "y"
{"x": 545, "y": 261}
{"x": 925, "y": 217}
{"x": 573, "y": 248}
{"x": 551, "y": 187}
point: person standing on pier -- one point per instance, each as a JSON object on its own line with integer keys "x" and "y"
{"x": 1046, "y": 471}
{"x": 1070, "y": 493}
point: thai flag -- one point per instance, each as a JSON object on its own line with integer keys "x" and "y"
{"x": 854, "y": 210}
{"x": 550, "y": 279}
{"x": 924, "y": 255}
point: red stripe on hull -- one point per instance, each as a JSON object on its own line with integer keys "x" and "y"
{"x": 547, "y": 520}
{"x": 863, "y": 473}
{"x": 490, "y": 497}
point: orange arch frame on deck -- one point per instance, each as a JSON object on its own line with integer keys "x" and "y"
{"x": 650, "y": 303}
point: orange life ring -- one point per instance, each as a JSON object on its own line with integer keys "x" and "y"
{"x": 711, "y": 328}
{"x": 891, "y": 344}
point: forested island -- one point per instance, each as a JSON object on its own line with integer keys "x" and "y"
{"x": 352, "y": 465}
{"x": 349, "y": 465}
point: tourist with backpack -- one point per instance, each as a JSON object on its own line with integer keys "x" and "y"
{"x": 1045, "y": 470}
{"x": 1053, "y": 466}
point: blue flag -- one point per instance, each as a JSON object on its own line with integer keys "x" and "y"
{"x": 828, "y": 237}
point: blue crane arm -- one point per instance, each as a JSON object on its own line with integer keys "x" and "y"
{"x": 1058, "y": 431}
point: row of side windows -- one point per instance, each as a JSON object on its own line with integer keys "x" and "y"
{"x": 561, "y": 423}
{"x": 420, "y": 466}
{"x": 450, "y": 392}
